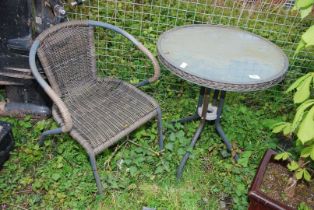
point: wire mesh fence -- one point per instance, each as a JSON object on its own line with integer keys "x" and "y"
{"x": 274, "y": 20}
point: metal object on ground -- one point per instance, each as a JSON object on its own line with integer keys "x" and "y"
{"x": 96, "y": 112}
{"x": 77, "y": 2}
{"x": 21, "y": 22}
{"x": 148, "y": 208}
{"x": 223, "y": 59}
{"x": 6, "y": 142}
{"x": 13, "y": 109}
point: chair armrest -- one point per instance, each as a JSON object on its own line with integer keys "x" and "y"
{"x": 68, "y": 124}
{"x": 138, "y": 44}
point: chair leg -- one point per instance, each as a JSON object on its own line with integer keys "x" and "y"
{"x": 46, "y": 133}
{"x": 159, "y": 127}
{"x": 96, "y": 175}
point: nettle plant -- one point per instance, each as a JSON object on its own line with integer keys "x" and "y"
{"x": 302, "y": 126}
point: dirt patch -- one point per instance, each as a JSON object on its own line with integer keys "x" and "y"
{"x": 274, "y": 182}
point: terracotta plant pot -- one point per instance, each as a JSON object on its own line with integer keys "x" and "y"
{"x": 258, "y": 199}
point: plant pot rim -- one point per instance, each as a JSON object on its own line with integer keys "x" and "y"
{"x": 256, "y": 194}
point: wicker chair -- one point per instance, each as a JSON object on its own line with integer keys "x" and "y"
{"x": 96, "y": 112}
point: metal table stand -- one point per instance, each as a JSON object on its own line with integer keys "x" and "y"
{"x": 211, "y": 113}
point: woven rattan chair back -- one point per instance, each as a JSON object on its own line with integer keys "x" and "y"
{"x": 67, "y": 56}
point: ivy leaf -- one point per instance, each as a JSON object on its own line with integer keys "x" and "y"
{"x": 159, "y": 170}
{"x": 306, "y": 152}
{"x": 299, "y": 174}
{"x": 286, "y": 155}
{"x": 244, "y": 160}
{"x": 303, "y": 206}
{"x": 292, "y": 166}
{"x": 303, "y": 91}
{"x": 300, "y": 113}
{"x": 278, "y": 127}
{"x": 306, "y": 175}
{"x": 297, "y": 119}
{"x": 282, "y": 156}
{"x": 287, "y": 130}
{"x": 134, "y": 81}
{"x": 306, "y": 12}
{"x": 172, "y": 137}
{"x": 37, "y": 184}
{"x": 56, "y": 176}
{"x": 297, "y": 83}
{"x": 306, "y": 131}
{"x": 40, "y": 125}
{"x": 304, "y": 3}
{"x": 278, "y": 156}
{"x": 308, "y": 36}
{"x": 306, "y": 104}
{"x": 133, "y": 170}
{"x": 169, "y": 146}
{"x": 300, "y": 47}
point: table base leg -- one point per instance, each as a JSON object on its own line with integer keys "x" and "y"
{"x": 188, "y": 153}
{"x": 187, "y": 119}
{"x": 198, "y": 132}
{"x": 218, "y": 97}
{"x": 218, "y": 125}
{"x": 225, "y": 139}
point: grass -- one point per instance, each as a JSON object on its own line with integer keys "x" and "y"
{"x": 134, "y": 173}
{"x": 59, "y": 176}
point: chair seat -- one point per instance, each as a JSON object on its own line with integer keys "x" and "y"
{"x": 107, "y": 110}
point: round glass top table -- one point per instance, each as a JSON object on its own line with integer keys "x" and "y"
{"x": 219, "y": 59}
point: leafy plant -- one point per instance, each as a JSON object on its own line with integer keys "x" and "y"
{"x": 307, "y": 40}
{"x": 302, "y": 126}
{"x": 303, "y": 206}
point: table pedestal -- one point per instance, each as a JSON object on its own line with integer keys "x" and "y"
{"x": 206, "y": 111}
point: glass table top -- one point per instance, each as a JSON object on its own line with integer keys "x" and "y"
{"x": 221, "y": 54}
